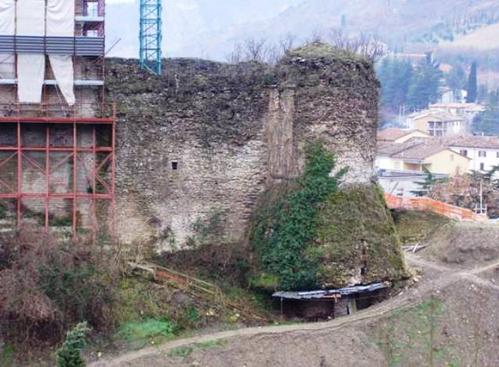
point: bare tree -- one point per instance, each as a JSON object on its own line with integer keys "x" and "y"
{"x": 255, "y": 50}
{"x": 286, "y": 43}
{"x": 236, "y": 55}
{"x": 316, "y": 36}
{"x": 366, "y": 45}
{"x": 260, "y": 50}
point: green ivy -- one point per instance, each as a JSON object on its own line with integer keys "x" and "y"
{"x": 286, "y": 224}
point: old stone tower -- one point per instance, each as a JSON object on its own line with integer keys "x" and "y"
{"x": 199, "y": 144}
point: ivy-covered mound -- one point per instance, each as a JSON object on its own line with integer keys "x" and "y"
{"x": 308, "y": 234}
{"x": 356, "y": 239}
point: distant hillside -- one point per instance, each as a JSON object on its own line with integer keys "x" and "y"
{"x": 207, "y": 28}
{"x": 483, "y": 39}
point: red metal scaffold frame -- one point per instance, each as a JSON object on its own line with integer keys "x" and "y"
{"x": 72, "y": 153}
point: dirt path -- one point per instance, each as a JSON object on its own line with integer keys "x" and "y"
{"x": 470, "y": 275}
{"x": 444, "y": 277}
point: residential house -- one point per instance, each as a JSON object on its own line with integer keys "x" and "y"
{"x": 437, "y": 123}
{"x": 468, "y": 111}
{"x": 417, "y": 154}
{"x": 396, "y": 135}
{"x": 483, "y": 151}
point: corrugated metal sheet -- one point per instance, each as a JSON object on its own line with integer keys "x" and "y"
{"x": 333, "y": 293}
{"x": 77, "y": 46}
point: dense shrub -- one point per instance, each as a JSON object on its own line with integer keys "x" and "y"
{"x": 286, "y": 224}
{"x": 47, "y": 286}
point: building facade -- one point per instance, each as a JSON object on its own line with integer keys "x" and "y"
{"x": 483, "y": 151}
{"x": 437, "y": 123}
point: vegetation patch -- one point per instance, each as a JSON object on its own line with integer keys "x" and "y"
{"x": 180, "y": 352}
{"x": 185, "y": 351}
{"x": 413, "y": 336}
{"x": 47, "y": 286}
{"x": 309, "y": 234}
{"x": 418, "y": 226}
{"x": 69, "y": 354}
{"x": 150, "y": 331}
{"x": 286, "y": 223}
{"x": 356, "y": 239}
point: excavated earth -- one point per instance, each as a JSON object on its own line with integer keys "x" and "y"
{"x": 464, "y": 245}
{"x": 449, "y": 318}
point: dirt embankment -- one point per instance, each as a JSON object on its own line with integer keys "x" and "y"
{"x": 465, "y": 244}
{"x": 449, "y": 319}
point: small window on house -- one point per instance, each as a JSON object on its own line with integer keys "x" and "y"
{"x": 452, "y": 157}
{"x": 497, "y": 154}
{"x": 482, "y": 166}
{"x": 464, "y": 152}
{"x": 174, "y": 165}
{"x": 482, "y": 153}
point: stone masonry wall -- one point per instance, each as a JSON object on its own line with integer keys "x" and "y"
{"x": 198, "y": 145}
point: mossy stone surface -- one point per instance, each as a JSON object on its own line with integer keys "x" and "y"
{"x": 357, "y": 241}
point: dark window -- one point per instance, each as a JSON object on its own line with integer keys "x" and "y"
{"x": 174, "y": 165}
{"x": 464, "y": 152}
{"x": 482, "y": 153}
{"x": 482, "y": 166}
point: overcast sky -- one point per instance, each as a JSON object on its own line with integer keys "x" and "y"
{"x": 192, "y": 28}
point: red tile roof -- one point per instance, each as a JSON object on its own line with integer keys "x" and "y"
{"x": 394, "y": 133}
{"x": 470, "y": 141}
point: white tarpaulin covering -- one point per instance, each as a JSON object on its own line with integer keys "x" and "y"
{"x": 61, "y": 22}
{"x": 7, "y": 28}
{"x": 30, "y": 67}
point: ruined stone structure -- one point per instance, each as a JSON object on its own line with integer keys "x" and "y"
{"x": 197, "y": 146}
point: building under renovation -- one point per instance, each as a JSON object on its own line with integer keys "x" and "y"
{"x": 57, "y": 140}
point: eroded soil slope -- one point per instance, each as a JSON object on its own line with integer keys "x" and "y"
{"x": 464, "y": 245}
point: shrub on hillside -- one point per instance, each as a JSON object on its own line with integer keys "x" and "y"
{"x": 47, "y": 286}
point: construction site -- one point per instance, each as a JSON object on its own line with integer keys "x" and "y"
{"x": 57, "y": 129}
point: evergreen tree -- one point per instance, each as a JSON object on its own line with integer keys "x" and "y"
{"x": 69, "y": 354}
{"x": 424, "y": 86}
{"x": 395, "y": 77}
{"x": 456, "y": 79}
{"x": 426, "y": 185}
{"x": 472, "y": 84}
{"x": 487, "y": 122}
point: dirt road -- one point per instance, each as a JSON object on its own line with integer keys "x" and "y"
{"x": 441, "y": 277}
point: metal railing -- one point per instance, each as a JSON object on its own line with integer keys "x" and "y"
{"x": 57, "y": 111}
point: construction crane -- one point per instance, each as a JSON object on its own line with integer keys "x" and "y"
{"x": 151, "y": 35}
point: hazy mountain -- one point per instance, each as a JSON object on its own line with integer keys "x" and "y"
{"x": 210, "y": 28}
